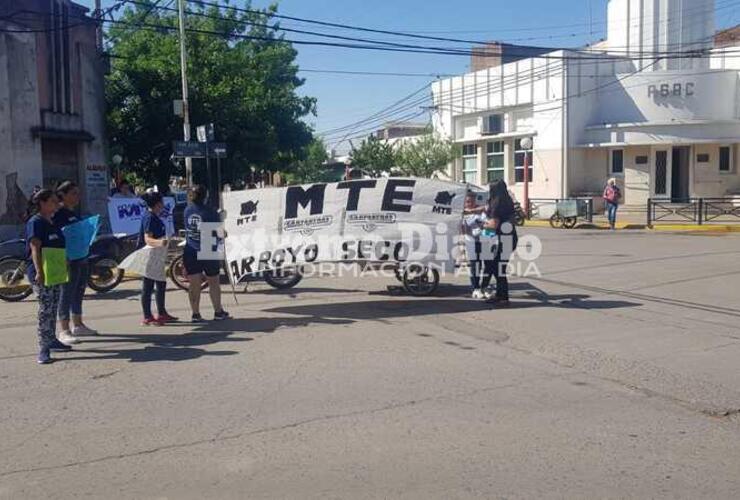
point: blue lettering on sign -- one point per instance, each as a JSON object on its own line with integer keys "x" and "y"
{"x": 130, "y": 210}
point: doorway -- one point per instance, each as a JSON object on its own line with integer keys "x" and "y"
{"x": 680, "y": 173}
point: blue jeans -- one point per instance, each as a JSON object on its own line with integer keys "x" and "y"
{"x": 70, "y": 300}
{"x": 611, "y": 212}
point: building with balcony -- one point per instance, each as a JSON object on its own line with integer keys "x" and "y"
{"x": 52, "y": 105}
{"x": 654, "y": 105}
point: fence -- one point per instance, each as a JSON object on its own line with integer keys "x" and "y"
{"x": 543, "y": 208}
{"x": 693, "y": 210}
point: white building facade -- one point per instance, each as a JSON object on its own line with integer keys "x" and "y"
{"x": 665, "y": 127}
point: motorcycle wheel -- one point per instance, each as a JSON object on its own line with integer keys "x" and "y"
{"x": 13, "y": 284}
{"x": 570, "y": 222}
{"x": 104, "y": 275}
{"x": 179, "y": 276}
{"x": 283, "y": 279}
{"x": 519, "y": 219}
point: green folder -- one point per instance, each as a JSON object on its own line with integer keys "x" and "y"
{"x": 54, "y": 261}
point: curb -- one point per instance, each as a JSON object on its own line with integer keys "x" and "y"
{"x": 708, "y": 228}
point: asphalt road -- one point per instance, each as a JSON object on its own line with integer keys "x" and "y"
{"x": 613, "y": 375}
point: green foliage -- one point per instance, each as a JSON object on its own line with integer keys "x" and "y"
{"x": 248, "y": 88}
{"x": 312, "y": 168}
{"x": 425, "y": 156}
{"x": 374, "y": 157}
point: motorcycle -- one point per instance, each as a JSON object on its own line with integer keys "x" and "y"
{"x": 520, "y": 217}
{"x": 105, "y": 254}
{"x": 13, "y": 284}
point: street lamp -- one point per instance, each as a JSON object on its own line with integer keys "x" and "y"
{"x": 526, "y": 144}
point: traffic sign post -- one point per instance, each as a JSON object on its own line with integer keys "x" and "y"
{"x": 206, "y": 148}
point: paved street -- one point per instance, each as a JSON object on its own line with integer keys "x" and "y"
{"x": 614, "y": 374}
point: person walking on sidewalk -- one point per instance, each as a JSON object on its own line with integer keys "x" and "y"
{"x": 41, "y": 235}
{"x": 73, "y": 291}
{"x": 612, "y": 196}
{"x": 153, "y": 234}
{"x": 196, "y": 213}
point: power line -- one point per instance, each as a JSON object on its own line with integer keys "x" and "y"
{"x": 430, "y": 50}
{"x": 375, "y": 73}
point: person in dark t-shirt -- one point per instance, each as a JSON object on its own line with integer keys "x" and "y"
{"x": 197, "y": 213}
{"x": 500, "y": 214}
{"x": 153, "y": 233}
{"x": 41, "y": 233}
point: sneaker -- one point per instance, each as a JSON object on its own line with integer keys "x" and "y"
{"x": 151, "y": 322}
{"x": 44, "y": 357}
{"x": 478, "y": 294}
{"x": 197, "y": 318}
{"x": 166, "y": 318}
{"x": 489, "y": 294}
{"x": 221, "y": 315}
{"x": 84, "y": 331}
{"x": 65, "y": 337}
{"x": 59, "y": 347}
{"x": 501, "y": 301}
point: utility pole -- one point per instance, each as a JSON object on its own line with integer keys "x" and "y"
{"x": 185, "y": 106}
{"x": 99, "y": 30}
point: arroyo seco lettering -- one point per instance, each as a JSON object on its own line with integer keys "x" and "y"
{"x": 397, "y": 197}
{"x": 274, "y": 259}
{"x": 379, "y": 251}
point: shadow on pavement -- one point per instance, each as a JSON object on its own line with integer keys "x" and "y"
{"x": 112, "y": 295}
{"x": 161, "y": 347}
{"x": 450, "y": 300}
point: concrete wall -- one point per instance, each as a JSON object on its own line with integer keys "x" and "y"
{"x": 20, "y": 161}
{"x": 708, "y": 181}
{"x": 636, "y": 181}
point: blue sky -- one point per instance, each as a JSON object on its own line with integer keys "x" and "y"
{"x": 344, "y": 99}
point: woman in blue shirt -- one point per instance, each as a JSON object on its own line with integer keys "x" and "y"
{"x": 153, "y": 233}
{"x": 41, "y": 233}
{"x": 196, "y": 213}
{"x": 73, "y": 291}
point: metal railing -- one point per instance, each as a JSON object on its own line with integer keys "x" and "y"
{"x": 694, "y": 210}
{"x": 585, "y": 207}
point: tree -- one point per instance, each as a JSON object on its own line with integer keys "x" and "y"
{"x": 425, "y": 156}
{"x": 312, "y": 168}
{"x": 247, "y": 87}
{"x": 374, "y": 157}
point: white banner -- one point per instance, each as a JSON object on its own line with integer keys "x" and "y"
{"x": 126, "y": 213}
{"x": 397, "y": 220}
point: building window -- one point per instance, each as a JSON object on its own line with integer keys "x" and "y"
{"x": 493, "y": 124}
{"x": 725, "y": 159}
{"x": 495, "y": 161}
{"x": 617, "y": 161}
{"x": 519, "y": 156}
{"x": 470, "y": 163}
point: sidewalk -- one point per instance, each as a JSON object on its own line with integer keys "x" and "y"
{"x": 638, "y": 221}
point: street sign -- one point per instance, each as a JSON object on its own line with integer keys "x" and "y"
{"x": 217, "y": 150}
{"x": 190, "y": 149}
{"x": 194, "y": 149}
{"x": 178, "y": 107}
{"x": 206, "y": 133}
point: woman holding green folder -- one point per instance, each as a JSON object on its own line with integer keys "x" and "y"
{"x": 47, "y": 270}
